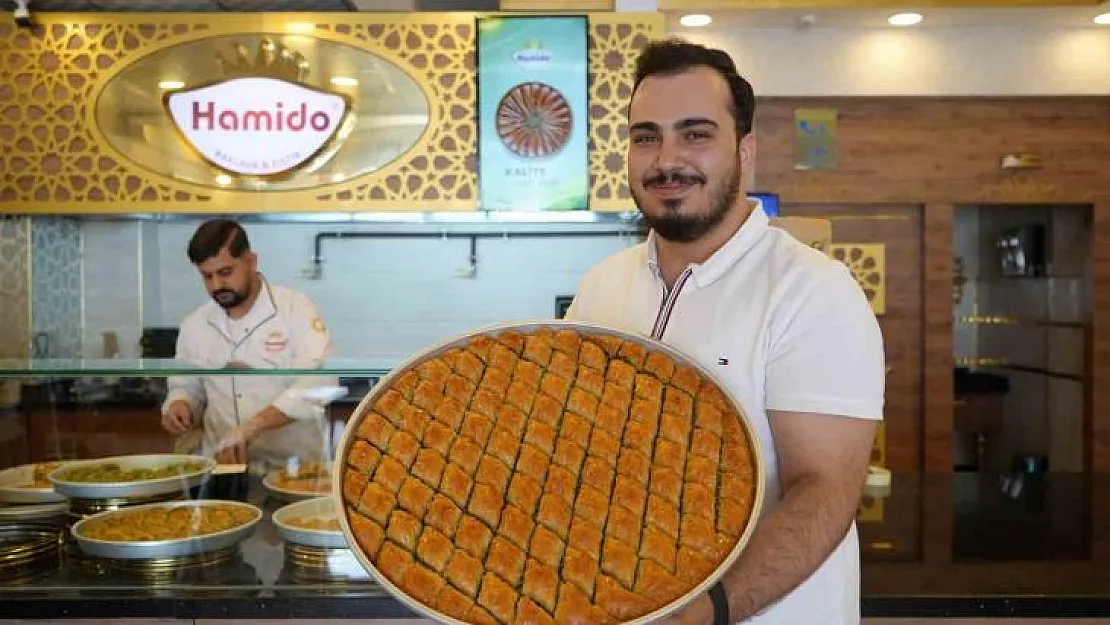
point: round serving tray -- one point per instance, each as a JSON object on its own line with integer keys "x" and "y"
{"x": 325, "y": 564}
{"x": 28, "y": 550}
{"x": 159, "y": 549}
{"x": 318, "y": 507}
{"x": 288, "y": 494}
{"x": 679, "y": 358}
{"x": 140, "y": 488}
{"x": 32, "y": 512}
{"x": 11, "y": 492}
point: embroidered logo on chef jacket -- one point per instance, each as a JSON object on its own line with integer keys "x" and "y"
{"x": 318, "y": 325}
{"x": 276, "y": 342}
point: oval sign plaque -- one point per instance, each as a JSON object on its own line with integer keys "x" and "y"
{"x": 257, "y": 126}
{"x": 262, "y": 112}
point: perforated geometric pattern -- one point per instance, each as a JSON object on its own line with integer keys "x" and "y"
{"x": 53, "y": 156}
{"x": 614, "y": 44}
{"x": 46, "y": 84}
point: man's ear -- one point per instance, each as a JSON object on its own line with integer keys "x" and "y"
{"x": 252, "y": 260}
{"x": 746, "y": 152}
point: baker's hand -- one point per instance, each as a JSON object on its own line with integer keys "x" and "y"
{"x": 697, "y": 612}
{"x": 178, "y": 417}
{"x": 232, "y": 448}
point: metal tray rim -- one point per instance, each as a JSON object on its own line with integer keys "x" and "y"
{"x": 309, "y": 537}
{"x": 128, "y": 550}
{"x": 9, "y": 494}
{"x": 759, "y": 468}
{"x": 288, "y": 494}
{"x": 110, "y": 490}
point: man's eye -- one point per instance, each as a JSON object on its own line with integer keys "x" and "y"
{"x": 696, "y": 135}
{"x": 643, "y": 139}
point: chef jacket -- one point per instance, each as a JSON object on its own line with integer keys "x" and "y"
{"x": 282, "y": 330}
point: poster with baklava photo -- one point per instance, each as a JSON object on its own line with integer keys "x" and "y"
{"x": 532, "y": 108}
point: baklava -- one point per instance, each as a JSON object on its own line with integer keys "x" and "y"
{"x": 548, "y": 475}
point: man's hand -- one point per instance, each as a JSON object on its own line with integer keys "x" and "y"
{"x": 178, "y": 418}
{"x": 232, "y": 448}
{"x": 697, "y": 612}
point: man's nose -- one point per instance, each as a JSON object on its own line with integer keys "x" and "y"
{"x": 668, "y": 157}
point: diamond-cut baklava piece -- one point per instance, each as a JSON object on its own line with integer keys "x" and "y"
{"x": 548, "y": 476}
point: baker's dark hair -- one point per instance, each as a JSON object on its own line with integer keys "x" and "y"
{"x": 213, "y": 236}
{"x": 675, "y": 55}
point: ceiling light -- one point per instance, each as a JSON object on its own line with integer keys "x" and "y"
{"x": 171, "y": 84}
{"x": 300, "y": 27}
{"x": 223, "y": 180}
{"x": 905, "y": 19}
{"x": 1103, "y": 20}
{"x": 695, "y": 20}
{"x": 344, "y": 81}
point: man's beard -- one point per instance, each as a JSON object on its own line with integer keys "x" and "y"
{"x": 679, "y": 228}
{"x": 229, "y": 298}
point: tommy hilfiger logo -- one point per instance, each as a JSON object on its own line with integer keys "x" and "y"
{"x": 722, "y": 361}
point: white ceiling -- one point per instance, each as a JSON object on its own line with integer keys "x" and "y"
{"x": 1064, "y": 17}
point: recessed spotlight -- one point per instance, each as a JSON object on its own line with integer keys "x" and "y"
{"x": 905, "y": 19}
{"x": 171, "y": 84}
{"x": 344, "y": 81}
{"x": 300, "y": 27}
{"x": 223, "y": 180}
{"x": 1102, "y": 20}
{"x": 695, "y": 20}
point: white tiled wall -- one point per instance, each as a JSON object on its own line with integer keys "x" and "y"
{"x": 380, "y": 297}
{"x": 113, "y": 301}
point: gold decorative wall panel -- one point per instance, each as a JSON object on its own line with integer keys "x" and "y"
{"x": 868, "y": 264}
{"x": 54, "y": 159}
{"x": 614, "y": 42}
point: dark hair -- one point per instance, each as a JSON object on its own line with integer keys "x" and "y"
{"x": 675, "y": 55}
{"x": 213, "y": 236}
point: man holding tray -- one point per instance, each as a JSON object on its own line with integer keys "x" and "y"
{"x": 249, "y": 324}
{"x": 785, "y": 328}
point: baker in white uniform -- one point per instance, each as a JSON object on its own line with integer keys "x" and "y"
{"x": 786, "y": 328}
{"x": 249, "y": 324}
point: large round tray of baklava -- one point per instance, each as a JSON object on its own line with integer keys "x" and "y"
{"x": 552, "y": 472}
{"x": 173, "y": 529}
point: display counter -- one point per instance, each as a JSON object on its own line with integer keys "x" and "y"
{"x": 952, "y": 544}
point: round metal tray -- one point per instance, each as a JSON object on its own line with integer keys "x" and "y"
{"x": 434, "y": 351}
{"x": 154, "y": 549}
{"x": 11, "y": 492}
{"x": 80, "y": 509}
{"x": 141, "y": 488}
{"x": 32, "y": 512}
{"x": 28, "y": 550}
{"x": 319, "y": 507}
{"x": 324, "y": 563}
{"x": 289, "y": 494}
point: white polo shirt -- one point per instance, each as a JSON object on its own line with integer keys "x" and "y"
{"x": 786, "y": 328}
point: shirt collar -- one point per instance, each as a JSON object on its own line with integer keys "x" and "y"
{"x": 706, "y": 273}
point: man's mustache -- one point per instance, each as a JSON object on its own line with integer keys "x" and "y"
{"x": 674, "y": 177}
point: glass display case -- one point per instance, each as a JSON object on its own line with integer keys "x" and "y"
{"x": 56, "y": 411}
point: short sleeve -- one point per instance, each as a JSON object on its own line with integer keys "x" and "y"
{"x": 826, "y": 355}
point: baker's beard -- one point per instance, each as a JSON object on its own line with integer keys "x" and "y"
{"x": 230, "y": 298}
{"x": 678, "y": 228}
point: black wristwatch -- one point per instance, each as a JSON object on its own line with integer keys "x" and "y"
{"x": 721, "y": 614}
